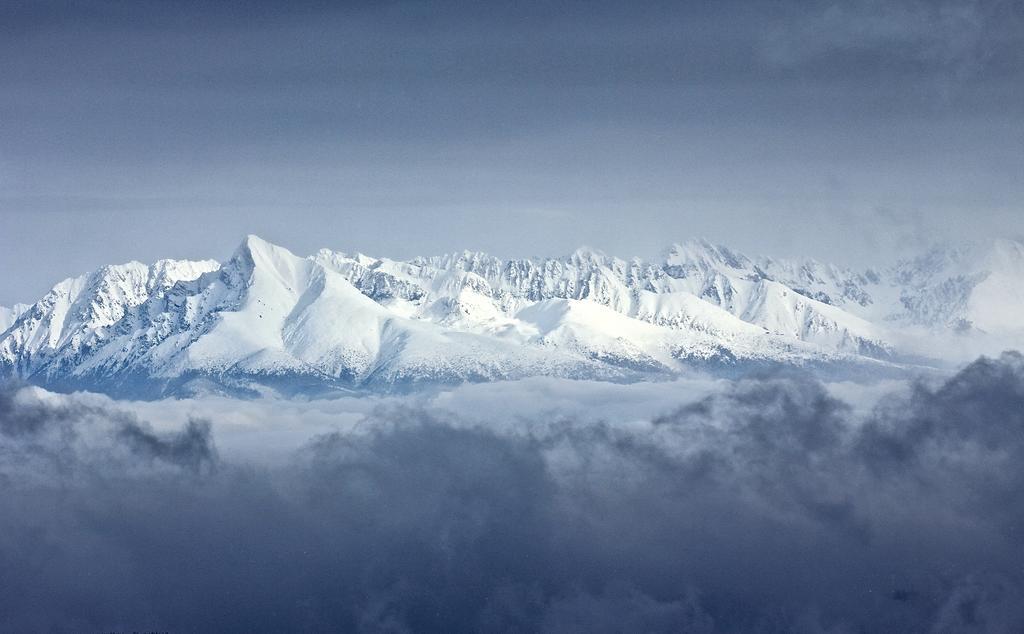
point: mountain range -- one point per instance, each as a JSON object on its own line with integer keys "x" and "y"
{"x": 266, "y": 320}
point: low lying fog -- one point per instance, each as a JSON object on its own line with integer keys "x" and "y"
{"x": 773, "y": 503}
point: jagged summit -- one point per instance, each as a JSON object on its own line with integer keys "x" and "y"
{"x": 267, "y": 318}
{"x": 702, "y": 250}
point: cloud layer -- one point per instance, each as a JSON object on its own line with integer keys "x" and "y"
{"x": 767, "y": 504}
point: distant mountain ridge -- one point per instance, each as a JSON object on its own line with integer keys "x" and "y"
{"x": 268, "y": 320}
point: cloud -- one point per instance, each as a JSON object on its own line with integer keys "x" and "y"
{"x": 766, "y": 504}
{"x": 950, "y": 35}
{"x": 192, "y": 447}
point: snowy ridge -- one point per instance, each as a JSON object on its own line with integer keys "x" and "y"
{"x": 9, "y": 315}
{"x": 268, "y": 319}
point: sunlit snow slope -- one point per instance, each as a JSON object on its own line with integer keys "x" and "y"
{"x": 268, "y": 320}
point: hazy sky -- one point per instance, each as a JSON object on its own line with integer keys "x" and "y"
{"x": 841, "y": 130}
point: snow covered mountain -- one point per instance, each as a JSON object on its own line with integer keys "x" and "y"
{"x": 267, "y": 319}
{"x": 9, "y": 315}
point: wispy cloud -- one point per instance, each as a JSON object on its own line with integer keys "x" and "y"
{"x": 953, "y": 37}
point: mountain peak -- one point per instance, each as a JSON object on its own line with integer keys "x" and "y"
{"x": 353, "y": 320}
{"x": 702, "y": 250}
{"x": 587, "y": 253}
{"x": 256, "y": 251}
{"x": 1008, "y": 249}
{"x": 253, "y": 244}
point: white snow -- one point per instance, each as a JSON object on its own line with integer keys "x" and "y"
{"x": 8, "y": 315}
{"x": 360, "y": 320}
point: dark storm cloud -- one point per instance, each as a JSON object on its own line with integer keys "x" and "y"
{"x": 58, "y": 438}
{"x": 767, "y": 506}
{"x": 191, "y": 448}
